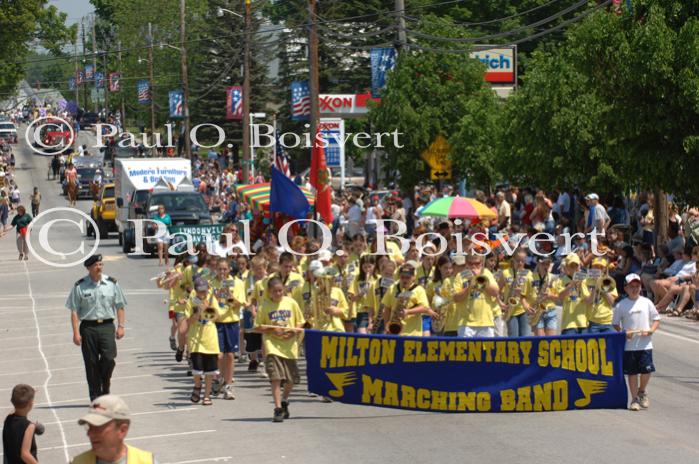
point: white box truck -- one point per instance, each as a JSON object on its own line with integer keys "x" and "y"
{"x": 134, "y": 179}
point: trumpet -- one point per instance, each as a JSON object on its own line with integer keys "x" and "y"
{"x": 607, "y": 285}
{"x": 395, "y": 324}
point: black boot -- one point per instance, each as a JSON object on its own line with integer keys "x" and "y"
{"x": 278, "y": 415}
{"x": 285, "y": 408}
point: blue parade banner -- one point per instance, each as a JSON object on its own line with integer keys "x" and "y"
{"x": 99, "y": 78}
{"x": 468, "y": 374}
{"x": 89, "y": 70}
{"x": 382, "y": 61}
{"x": 143, "y": 91}
{"x": 71, "y": 83}
{"x": 175, "y": 102}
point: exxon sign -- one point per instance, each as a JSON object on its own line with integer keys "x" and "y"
{"x": 501, "y": 63}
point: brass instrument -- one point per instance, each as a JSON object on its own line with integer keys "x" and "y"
{"x": 540, "y": 304}
{"x": 308, "y": 311}
{"x": 385, "y": 283}
{"x": 607, "y": 285}
{"x": 324, "y": 284}
{"x": 395, "y": 323}
{"x": 512, "y": 299}
{"x": 481, "y": 282}
{"x": 441, "y": 304}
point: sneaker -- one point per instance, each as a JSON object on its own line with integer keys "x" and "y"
{"x": 252, "y": 366}
{"x": 285, "y": 408}
{"x": 635, "y": 406}
{"x": 217, "y": 386}
{"x": 178, "y": 355}
{"x": 278, "y": 415}
{"x": 643, "y": 400}
{"x": 173, "y": 344}
{"x": 312, "y": 395}
{"x": 228, "y": 393}
{"x": 327, "y": 400}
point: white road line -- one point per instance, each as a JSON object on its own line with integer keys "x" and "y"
{"x": 82, "y": 382}
{"x": 144, "y": 413}
{"x": 49, "y": 374}
{"x": 145, "y": 437}
{"x": 680, "y": 337}
{"x": 52, "y": 334}
{"x": 72, "y": 400}
{"x": 60, "y": 368}
{"x": 193, "y": 461}
{"x": 63, "y": 356}
{"x": 54, "y": 295}
{"x": 3, "y": 350}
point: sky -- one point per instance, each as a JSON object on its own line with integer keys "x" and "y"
{"x": 74, "y": 8}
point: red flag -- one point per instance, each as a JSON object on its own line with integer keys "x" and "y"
{"x": 320, "y": 180}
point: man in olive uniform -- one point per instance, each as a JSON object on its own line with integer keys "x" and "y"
{"x": 95, "y": 301}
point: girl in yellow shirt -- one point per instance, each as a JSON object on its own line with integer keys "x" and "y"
{"x": 359, "y": 292}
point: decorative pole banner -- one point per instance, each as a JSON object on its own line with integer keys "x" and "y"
{"x": 176, "y": 97}
{"x": 88, "y": 72}
{"x": 99, "y": 77}
{"x": 80, "y": 77}
{"x": 234, "y": 102}
{"x": 468, "y": 374}
{"x": 143, "y": 88}
{"x": 114, "y": 82}
{"x": 71, "y": 83}
{"x": 300, "y": 101}
{"x": 382, "y": 61}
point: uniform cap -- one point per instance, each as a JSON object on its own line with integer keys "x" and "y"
{"x": 93, "y": 259}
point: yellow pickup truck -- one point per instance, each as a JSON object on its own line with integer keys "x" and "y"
{"x": 104, "y": 212}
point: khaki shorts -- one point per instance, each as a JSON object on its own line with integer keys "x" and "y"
{"x": 279, "y": 368}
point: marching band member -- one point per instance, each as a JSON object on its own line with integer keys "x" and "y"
{"x": 404, "y": 304}
{"x": 544, "y": 319}
{"x": 230, "y": 294}
{"x": 570, "y": 296}
{"x": 377, "y": 291}
{"x": 515, "y": 295}
{"x": 280, "y": 320}
{"x": 343, "y": 279}
{"x": 360, "y": 292}
{"x": 444, "y": 284}
{"x": 177, "y": 297}
{"x": 202, "y": 311}
{"x": 477, "y": 302}
{"x": 303, "y": 294}
{"x": 254, "y": 294}
{"x": 600, "y": 300}
{"x": 286, "y": 275}
{"x": 425, "y": 271}
{"x": 328, "y": 302}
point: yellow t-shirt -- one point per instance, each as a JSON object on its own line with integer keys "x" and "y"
{"x": 230, "y": 288}
{"x": 303, "y": 295}
{"x": 424, "y": 276}
{"x": 363, "y": 288}
{"x": 292, "y": 281}
{"x": 600, "y": 311}
{"x": 537, "y": 286}
{"x": 343, "y": 281}
{"x": 178, "y": 294}
{"x": 377, "y": 292}
{"x": 479, "y": 309}
{"x": 412, "y": 325}
{"x": 446, "y": 289}
{"x": 285, "y": 313}
{"x": 202, "y": 336}
{"x": 509, "y": 286}
{"x": 574, "y": 314}
{"x": 193, "y": 272}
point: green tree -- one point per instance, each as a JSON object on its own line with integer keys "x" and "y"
{"x": 24, "y": 24}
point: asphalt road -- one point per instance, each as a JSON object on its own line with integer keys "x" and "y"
{"x": 35, "y": 338}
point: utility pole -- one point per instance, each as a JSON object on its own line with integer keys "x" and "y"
{"x": 185, "y": 80}
{"x": 94, "y": 64}
{"x": 400, "y": 18}
{"x": 314, "y": 65}
{"x": 246, "y": 96}
{"x": 105, "y": 83}
{"x": 121, "y": 91}
{"x": 77, "y": 69}
{"x": 150, "y": 79}
{"x": 82, "y": 23}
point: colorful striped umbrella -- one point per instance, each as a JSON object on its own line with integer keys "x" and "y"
{"x": 458, "y": 207}
{"x": 257, "y": 195}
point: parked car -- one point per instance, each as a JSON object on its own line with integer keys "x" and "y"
{"x": 89, "y": 119}
{"x": 8, "y": 132}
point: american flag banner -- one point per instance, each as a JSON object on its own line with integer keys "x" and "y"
{"x": 281, "y": 158}
{"x": 143, "y": 88}
{"x": 175, "y": 101}
{"x": 234, "y": 103}
{"x": 300, "y": 101}
{"x": 382, "y": 61}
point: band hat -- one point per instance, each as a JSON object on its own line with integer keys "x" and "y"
{"x": 93, "y": 259}
{"x": 631, "y": 278}
{"x": 105, "y": 409}
{"x": 599, "y": 262}
{"x": 201, "y": 285}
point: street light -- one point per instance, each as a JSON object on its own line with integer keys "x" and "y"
{"x": 252, "y": 145}
{"x": 220, "y": 11}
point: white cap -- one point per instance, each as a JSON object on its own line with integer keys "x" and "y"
{"x": 325, "y": 255}
{"x": 315, "y": 266}
{"x": 631, "y": 278}
{"x": 105, "y": 409}
{"x": 592, "y": 196}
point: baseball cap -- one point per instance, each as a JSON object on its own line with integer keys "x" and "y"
{"x": 572, "y": 258}
{"x": 592, "y": 196}
{"x": 325, "y": 255}
{"x": 599, "y": 262}
{"x": 632, "y": 278}
{"x": 315, "y": 266}
{"x": 105, "y": 409}
{"x": 412, "y": 263}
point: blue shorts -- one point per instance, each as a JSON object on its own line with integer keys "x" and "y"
{"x": 638, "y": 362}
{"x": 578, "y": 330}
{"x": 596, "y": 328}
{"x": 548, "y": 320}
{"x": 362, "y": 320}
{"x": 228, "y": 336}
{"x": 426, "y": 323}
{"x": 247, "y": 319}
